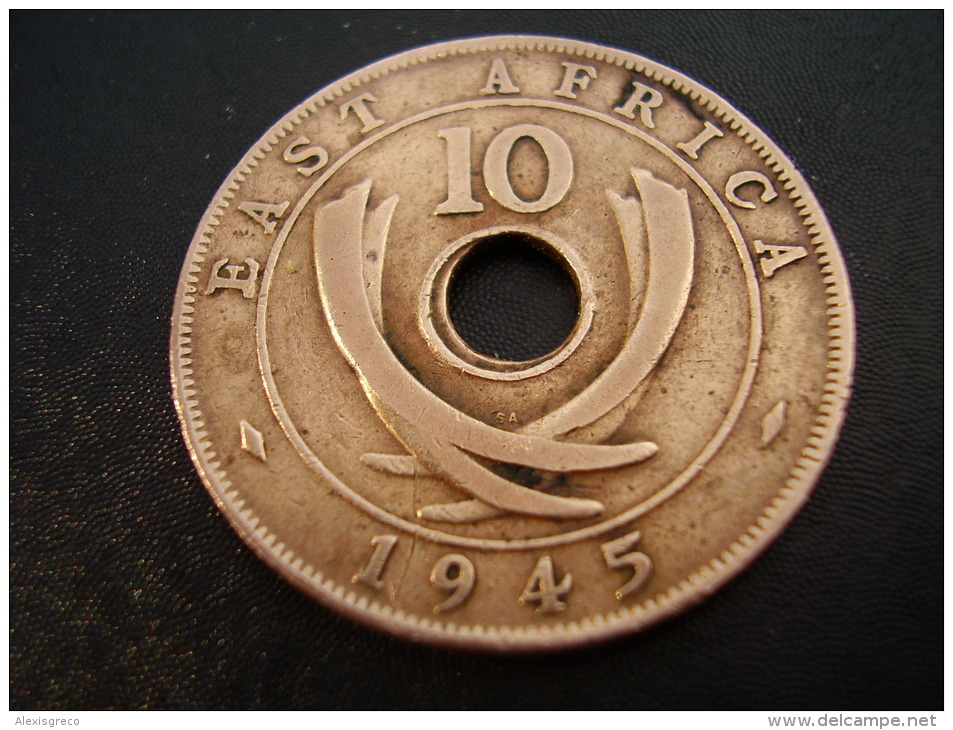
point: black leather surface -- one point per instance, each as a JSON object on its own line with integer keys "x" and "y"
{"x": 129, "y": 589}
{"x": 510, "y": 300}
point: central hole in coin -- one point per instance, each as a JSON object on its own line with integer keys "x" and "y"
{"x": 512, "y": 297}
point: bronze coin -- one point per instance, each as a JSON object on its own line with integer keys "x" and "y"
{"x": 373, "y": 451}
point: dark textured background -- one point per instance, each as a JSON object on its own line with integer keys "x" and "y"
{"x": 129, "y": 589}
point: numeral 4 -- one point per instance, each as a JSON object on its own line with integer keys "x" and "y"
{"x": 542, "y": 588}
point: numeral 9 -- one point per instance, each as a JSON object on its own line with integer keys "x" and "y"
{"x": 456, "y": 574}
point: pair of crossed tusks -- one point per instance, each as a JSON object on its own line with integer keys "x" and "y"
{"x": 443, "y": 439}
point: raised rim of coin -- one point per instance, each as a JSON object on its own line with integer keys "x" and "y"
{"x": 707, "y": 578}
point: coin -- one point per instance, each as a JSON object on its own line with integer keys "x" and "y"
{"x": 364, "y": 439}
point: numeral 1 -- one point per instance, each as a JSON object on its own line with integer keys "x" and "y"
{"x": 370, "y": 574}
{"x": 459, "y": 191}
